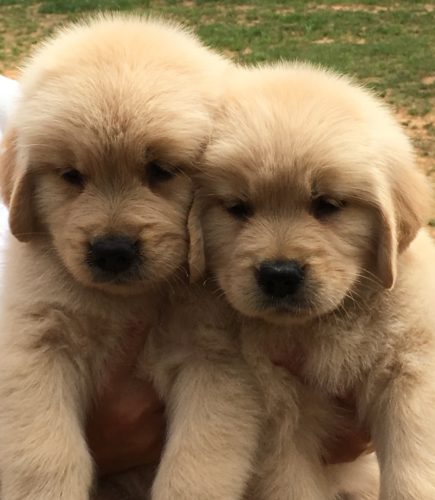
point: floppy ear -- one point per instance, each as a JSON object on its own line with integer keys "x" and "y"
{"x": 412, "y": 199}
{"x": 17, "y": 191}
{"x": 404, "y": 207}
{"x": 387, "y": 245}
{"x": 7, "y": 166}
{"x": 196, "y": 256}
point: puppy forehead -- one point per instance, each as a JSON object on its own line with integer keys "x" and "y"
{"x": 275, "y": 138}
{"x": 114, "y": 93}
{"x": 118, "y": 120}
{"x": 285, "y": 160}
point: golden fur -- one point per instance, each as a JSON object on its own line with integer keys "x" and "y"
{"x": 110, "y": 98}
{"x": 290, "y": 141}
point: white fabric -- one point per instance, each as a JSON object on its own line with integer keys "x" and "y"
{"x": 9, "y": 92}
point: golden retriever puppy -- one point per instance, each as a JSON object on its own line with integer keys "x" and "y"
{"x": 312, "y": 218}
{"x": 111, "y": 112}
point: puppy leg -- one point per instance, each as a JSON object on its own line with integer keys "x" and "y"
{"x": 290, "y": 468}
{"x": 403, "y": 422}
{"x": 357, "y": 480}
{"x": 214, "y": 423}
{"x": 43, "y": 452}
{"x": 289, "y": 476}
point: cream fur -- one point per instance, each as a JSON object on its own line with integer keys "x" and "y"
{"x": 109, "y": 97}
{"x": 363, "y": 321}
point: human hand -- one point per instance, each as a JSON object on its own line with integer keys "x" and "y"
{"x": 352, "y": 440}
{"x": 126, "y": 426}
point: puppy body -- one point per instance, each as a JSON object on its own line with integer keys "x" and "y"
{"x": 214, "y": 408}
{"x": 111, "y": 113}
{"x": 312, "y": 215}
{"x": 386, "y": 353}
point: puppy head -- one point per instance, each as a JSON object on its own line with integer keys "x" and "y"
{"x": 309, "y": 192}
{"x": 111, "y": 114}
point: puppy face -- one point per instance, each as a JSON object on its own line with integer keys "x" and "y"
{"x": 101, "y": 138}
{"x": 116, "y": 215}
{"x": 309, "y": 193}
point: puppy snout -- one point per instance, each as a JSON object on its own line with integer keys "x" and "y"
{"x": 113, "y": 254}
{"x": 280, "y": 278}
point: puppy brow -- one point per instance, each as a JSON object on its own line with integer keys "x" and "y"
{"x": 315, "y": 189}
{"x": 226, "y": 184}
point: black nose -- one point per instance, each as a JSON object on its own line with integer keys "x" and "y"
{"x": 113, "y": 254}
{"x": 280, "y": 278}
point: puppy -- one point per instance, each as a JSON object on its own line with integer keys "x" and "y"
{"x": 312, "y": 219}
{"x": 111, "y": 113}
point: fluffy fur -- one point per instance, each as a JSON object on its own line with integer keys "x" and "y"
{"x": 112, "y": 112}
{"x": 303, "y": 165}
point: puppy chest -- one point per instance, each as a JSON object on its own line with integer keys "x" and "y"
{"x": 332, "y": 364}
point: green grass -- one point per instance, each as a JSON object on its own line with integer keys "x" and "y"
{"x": 393, "y": 49}
{"x": 388, "y": 45}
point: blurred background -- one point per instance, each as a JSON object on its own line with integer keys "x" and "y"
{"x": 387, "y": 45}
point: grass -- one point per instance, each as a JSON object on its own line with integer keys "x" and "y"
{"x": 389, "y": 45}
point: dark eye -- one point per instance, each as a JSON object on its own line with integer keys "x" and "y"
{"x": 74, "y": 177}
{"x": 240, "y": 210}
{"x": 323, "y": 206}
{"x": 158, "y": 173}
